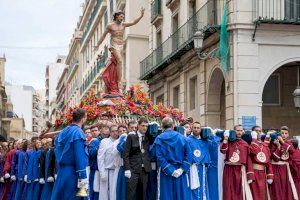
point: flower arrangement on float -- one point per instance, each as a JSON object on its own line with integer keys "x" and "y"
{"x": 135, "y": 102}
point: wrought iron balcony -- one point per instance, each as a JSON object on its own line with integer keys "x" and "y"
{"x": 72, "y": 68}
{"x": 155, "y": 10}
{"x": 92, "y": 18}
{"x": 205, "y": 19}
{"x": 276, "y": 11}
{"x": 95, "y": 71}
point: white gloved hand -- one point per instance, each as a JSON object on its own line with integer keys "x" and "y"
{"x": 83, "y": 183}
{"x": 250, "y": 181}
{"x": 6, "y": 176}
{"x": 2, "y": 179}
{"x": 175, "y": 174}
{"x": 25, "y": 178}
{"x": 269, "y": 181}
{"x": 127, "y": 174}
{"x": 13, "y": 177}
{"x": 55, "y": 176}
{"x": 42, "y": 181}
{"x": 179, "y": 171}
{"x": 254, "y": 135}
{"x": 226, "y": 133}
{"x": 50, "y": 179}
{"x": 36, "y": 180}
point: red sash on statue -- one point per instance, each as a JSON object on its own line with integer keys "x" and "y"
{"x": 110, "y": 77}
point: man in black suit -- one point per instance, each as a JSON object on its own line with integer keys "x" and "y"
{"x": 136, "y": 160}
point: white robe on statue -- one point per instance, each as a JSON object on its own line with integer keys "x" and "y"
{"x": 106, "y": 166}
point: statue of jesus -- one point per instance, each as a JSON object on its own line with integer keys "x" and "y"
{"x": 116, "y": 30}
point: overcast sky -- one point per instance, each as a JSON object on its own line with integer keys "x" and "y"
{"x": 32, "y": 34}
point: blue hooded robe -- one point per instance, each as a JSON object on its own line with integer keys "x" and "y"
{"x": 202, "y": 158}
{"x": 212, "y": 171}
{"x": 172, "y": 152}
{"x": 36, "y": 186}
{"x": 48, "y": 172}
{"x": 72, "y": 162}
{"x": 93, "y": 150}
{"x": 22, "y": 165}
{"x": 13, "y": 172}
{"x": 29, "y": 172}
{"x": 121, "y": 181}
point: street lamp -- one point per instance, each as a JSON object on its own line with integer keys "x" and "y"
{"x": 297, "y": 92}
{"x": 198, "y": 46}
{"x": 198, "y": 42}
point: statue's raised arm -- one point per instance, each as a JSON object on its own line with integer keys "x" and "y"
{"x": 127, "y": 24}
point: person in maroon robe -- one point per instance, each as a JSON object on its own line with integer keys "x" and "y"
{"x": 237, "y": 162}
{"x": 295, "y": 165}
{"x": 283, "y": 186}
{"x": 262, "y": 167}
{"x": 6, "y": 169}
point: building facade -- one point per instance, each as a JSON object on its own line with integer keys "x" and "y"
{"x": 22, "y": 99}
{"x": 3, "y": 97}
{"x": 14, "y": 125}
{"x": 39, "y": 111}
{"x": 252, "y": 83}
{"x": 27, "y": 104}
{"x": 74, "y": 73}
{"x": 88, "y": 62}
{"x": 53, "y": 73}
{"x": 61, "y": 90}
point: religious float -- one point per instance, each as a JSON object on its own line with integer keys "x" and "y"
{"x": 132, "y": 104}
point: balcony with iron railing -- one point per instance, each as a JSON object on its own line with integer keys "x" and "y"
{"x": 205, "y": 19}
{"x": 92, "y": 18}
{"x": 156, "y": 10}
{"x": 72, "y": 68}
{"x": 276, "y": 11}
{"x": 95, "y": 71}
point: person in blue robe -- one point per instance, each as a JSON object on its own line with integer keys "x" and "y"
{"x": 21, "y": 166}
{"x": 121, "y": 180}
{"x": 92, "y": 151}
{"x": 152, "y": 132}
{"x": 48, "y": 175}
{"x": 212, "y": 171}
{"x": 28, "y": 186}
{"x": 47, "y": 172}
{"x": 36, "y": 186}
{"x": 13, "y": 172}
{"x": 1, "y": 173}
{"x": 174, "y": 158}
{"x": 201, "y": 143}
{"x": 71, "y": 159}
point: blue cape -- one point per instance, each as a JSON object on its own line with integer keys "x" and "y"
{"x": 65, "y": 138}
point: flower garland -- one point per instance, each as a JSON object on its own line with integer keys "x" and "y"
{"x": 135, "y": 102}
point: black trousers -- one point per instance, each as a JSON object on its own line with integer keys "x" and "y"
{"x": 136, "y": 186}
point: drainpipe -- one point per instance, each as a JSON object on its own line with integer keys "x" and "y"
{"x": 235, "y": 82}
